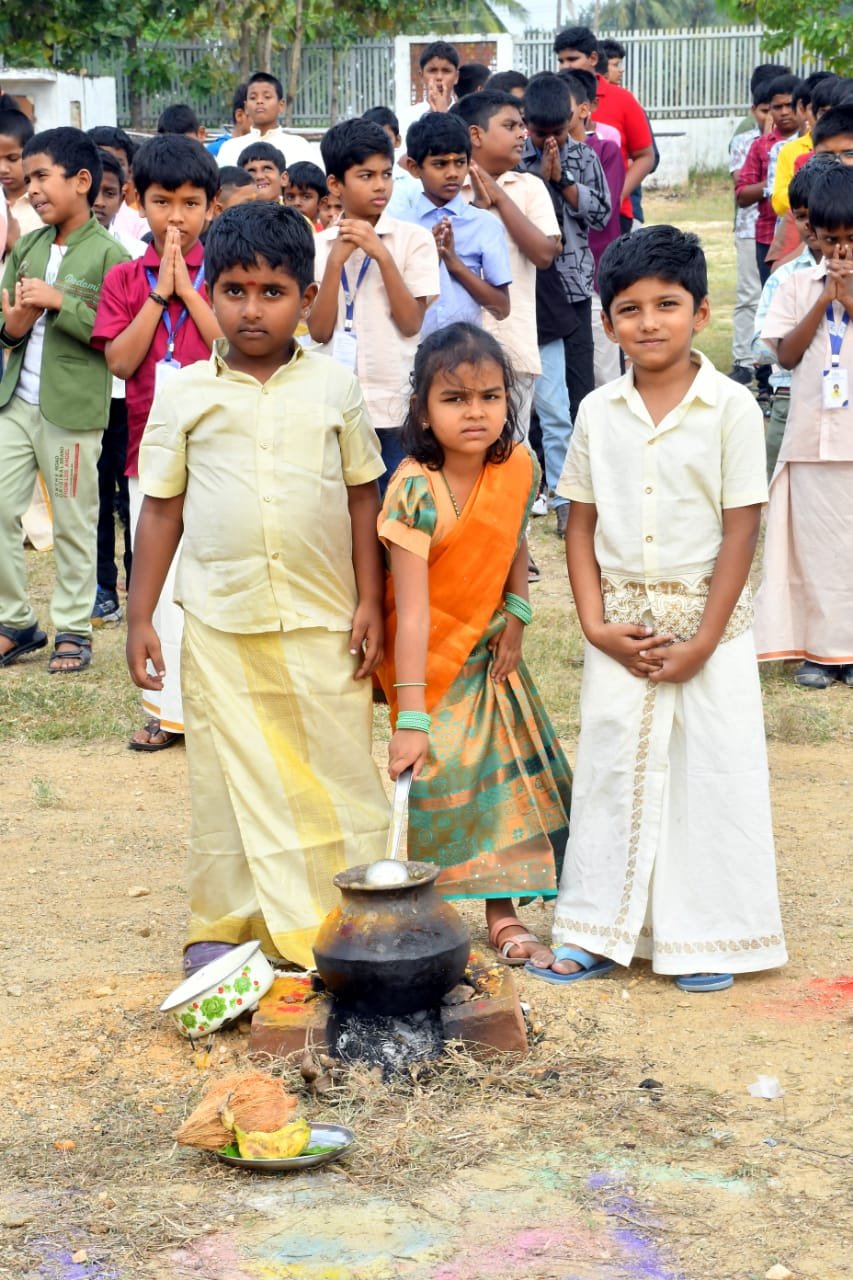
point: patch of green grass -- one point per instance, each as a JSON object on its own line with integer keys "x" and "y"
{"x": 45, "y": 796}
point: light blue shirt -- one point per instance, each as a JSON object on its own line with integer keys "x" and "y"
{"x": 479, "y": 240}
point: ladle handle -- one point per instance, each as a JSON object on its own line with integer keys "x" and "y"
{"x": 398, "y": 812}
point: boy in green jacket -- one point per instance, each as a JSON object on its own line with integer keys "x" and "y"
{"x": 55, "y": 393}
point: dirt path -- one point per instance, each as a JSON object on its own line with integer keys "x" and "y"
{"x": 588, "y": 1177}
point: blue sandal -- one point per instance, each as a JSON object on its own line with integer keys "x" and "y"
{"x": 705, "y": 982}
{"x": 590, "y": 966}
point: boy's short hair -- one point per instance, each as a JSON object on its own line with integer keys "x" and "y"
{"x": 580, "y": 38}
{"x": 439, "y": 49}
{"x": 352, "y": 142}
{"x": 506, "y": 81}
{"x": 178, "y": 118}
{"x": 547, "y": 101}
{"x": 767, "y": 71}
{"x": 238, "y": 102}
{"x": 800, "y": 186}
{"x": 760, "y": 94}
{"x": 826, "y": 93}
{"x": 71, "y": 149}
{"x": 672, "y": 255}
{"x": 831, "y": 198}
{"x": 172, "y": 159}
{"x": 262, "y": 229}
{"x": 780, "y": 86}
{"x": 109, "y": 135}
{"x": 582, "y": 84}
{"x": 836, "y": 121}
{"x": 383, "y": 116}
{"x": 610, "y": 48}
{"x": 262, "y": 151}
{"x": 109, "y": 164}
{"x": 14, "y": 124}
{"x": 478, "y": 108}
{"x": 309, "y": 177}
{"x": 472, "y": 77}
{"x": 264, "y": 77}
{"x": 437, "y": 133}
{"x": 231, "y": 175}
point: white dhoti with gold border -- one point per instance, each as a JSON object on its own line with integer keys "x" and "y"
{"x": 670, "y": 855}
{"x": 285, "y": 793}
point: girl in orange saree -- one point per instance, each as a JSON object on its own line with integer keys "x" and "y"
{"x": 490, "y": 797}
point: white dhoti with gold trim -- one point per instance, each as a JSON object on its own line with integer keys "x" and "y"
{"x": 284, "y": 789}
{"x": 670, "y": 855}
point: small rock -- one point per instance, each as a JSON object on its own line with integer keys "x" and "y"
{"x": 144, "y": 932}
{"x": 458, "y": 994}
{"x": 103, "y": 991}
{"x": 79, "y": 1257}
{"x": 14, "y": 991}
{"x": 11, "y": 1219}
{"x": 778, "y": 1273}
{"x": 138, "y": 891}
{"x": 65, "y": 1144}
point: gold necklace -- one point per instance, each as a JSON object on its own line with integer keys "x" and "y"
{"x": 450, "y": 495}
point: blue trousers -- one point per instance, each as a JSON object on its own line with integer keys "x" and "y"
{"x": 551, "y": 402}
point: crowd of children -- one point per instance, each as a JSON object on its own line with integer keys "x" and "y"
{"x": 311, "y": 382}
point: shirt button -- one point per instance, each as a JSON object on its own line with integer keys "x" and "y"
{"x": 267, "y": 498}
{"x": 274, "y": 555}
{"x": 265, "y": 444}
{"x": 649, "y": 489}
{"x": 649, "y": 538}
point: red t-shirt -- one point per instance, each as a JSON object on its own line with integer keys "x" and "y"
{"x": 123, "y": 295}
{"x": 619, "y": 108}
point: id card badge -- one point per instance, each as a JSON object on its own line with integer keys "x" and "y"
{"x": 164, "y": 372}
{"x": 344, "y": 347}
{"x": 835, "y": 388}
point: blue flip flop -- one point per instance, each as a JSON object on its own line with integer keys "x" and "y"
{"x": 705, "y": 982}
{"x": 590, "y": 967}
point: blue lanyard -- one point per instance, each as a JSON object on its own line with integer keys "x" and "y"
{"x": 172, "y": 331}
{"x": 349, "y": 298}
{"x": 837, "y": 329}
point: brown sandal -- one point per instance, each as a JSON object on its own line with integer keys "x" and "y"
{"x": 502, "y": 951}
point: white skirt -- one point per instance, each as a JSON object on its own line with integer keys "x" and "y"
{"x": 670, "y": 854}
{"x": 163, "y": 704}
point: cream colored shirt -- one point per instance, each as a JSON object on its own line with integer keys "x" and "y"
{"x": 517, "y": 333}
{"x": 384, "y": 356}
{"x": 25, "y": 215}
{"x": 812, "y": 433}
{"x": 660, "y": 492}
{"x": 265, "y": 469}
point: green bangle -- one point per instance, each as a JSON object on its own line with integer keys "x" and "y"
{"x": 518, "y": 607}
{"x": 414, "y": 720}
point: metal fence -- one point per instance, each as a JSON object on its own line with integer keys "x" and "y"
{"x": 676, "y": 73}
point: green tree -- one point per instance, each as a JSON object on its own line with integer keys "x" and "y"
{"x": 825, "y": 27}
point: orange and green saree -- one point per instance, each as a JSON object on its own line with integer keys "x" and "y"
{"x": 491, "y": 806}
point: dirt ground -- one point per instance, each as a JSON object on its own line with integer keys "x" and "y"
{"x": 586, "y": 1176}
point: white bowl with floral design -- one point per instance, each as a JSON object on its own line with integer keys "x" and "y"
{"x": 222, "y": 991}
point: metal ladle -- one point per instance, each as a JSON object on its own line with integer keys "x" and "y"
{"x": 387, "y": 871}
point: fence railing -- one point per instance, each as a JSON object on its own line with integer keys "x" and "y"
{"x": 675, "y": 73}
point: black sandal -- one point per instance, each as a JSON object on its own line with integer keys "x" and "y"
{"x": 154, "y": 728}
{"x": 80, "y": 652}
{"x": 25, "y": 640}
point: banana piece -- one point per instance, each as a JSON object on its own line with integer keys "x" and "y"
{"x": 281, "y": 1144}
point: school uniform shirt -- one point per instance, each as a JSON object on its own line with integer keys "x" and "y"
{"x": 384, "y": 356}
{"x": 265, "y": 467}
{"x": 745, "y": 219}
{"x": 122, "y": 298}
{"x": 754, "y": 169}
{"x": 517, "y": 333}
{"x": 812, "y": 433}
{"x": 478, "y": 242}
{"x": 620, "y": 109}
{"x": 25, "y": 215}
{"x": 294, "y": 147}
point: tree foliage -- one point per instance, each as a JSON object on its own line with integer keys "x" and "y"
{"x": 825, "y": 27}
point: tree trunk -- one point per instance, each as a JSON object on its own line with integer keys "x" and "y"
{"x": 245, "y": 52}
{"x": 295, "y": 62}
{"x": 265, "y": 47}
